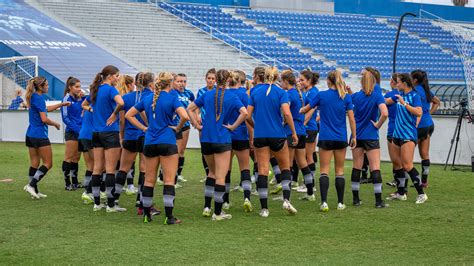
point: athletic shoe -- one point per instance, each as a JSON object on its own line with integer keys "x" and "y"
{"x": 324, "y": 207}
{"x": 255, "y": 192}
{"x": 278, "y": 198}
{"x": 397, "y": 196}
{"x": 159, "y": 182}
{"x": 182, "y": 179}
{"x": 341, "y": 206}
{"x": 103, "y": 195}
{"x": 41, "y": 195}
{"x": 253, "y": 179}
{"x": 238, "y": 188}
{"x": 276, "y": 189}
{"x": 203, "y": 180}
{"x": 364, "y": 180}
{"x": 131, "y": 190}
{"x": 222, "y": 216}
{"x": 172, "y": 220}
{"x": 139, "y": 211}
{"x": 294, "y": 185}
{"x": 98, "y": 207}
{"x": 147, "y": 219}
{"x": 31, "y": 191}
{"x": 206, "y": 212}
{"x": 154, "y": 211}
{"x": 247, "y": 206}
{"x": 302, "y": 189}
{"x": 118, "y": 208}
{"x": 299, "y": 187}
{"x": 289, "y": 208}
{"x": 177, "y": 185}
{"x": 77, "y": 186}
{"x": 356, "y": 203}
{"x": 226, "y": 206}
{"x": 273, "y": 181}
{"x": 308, "y": 197}
{"x": 424, "y": 185}
{"x": 381, "y": 205}
{"x": 264, "y": 213}
{"x": 69, "y": 188}
{"x": 115, "y": 208}
{"x": 421, "y": 199}
{"x": 392, "y": 183}
{"x": 87, "y": 198}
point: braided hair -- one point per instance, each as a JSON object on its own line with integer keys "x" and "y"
{"x": 162, "y": 82}
{"x": 271, "y": 75}
{"x": 222, "y": 79}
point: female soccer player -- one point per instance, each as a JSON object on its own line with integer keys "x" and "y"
{"x": 72, "y": 118}
{"x": 368, "y": 104}
{"x": 409, "y": 110}
{"x": 160, "y": 142}
{"x": 216, "y": 140}
{"x": 392, "y": 114}
{"x": 85, "y": 146}
{"x": 105, "y": 104}
{"x": 266, "y": 105}
{"x": 37, "y": 140}
{"x": 430, "y": 104}
{"x": 333, "y": 106}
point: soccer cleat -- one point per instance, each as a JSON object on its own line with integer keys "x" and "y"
{"x": 264, "y": 213}
{"x": 41, "y": 195}
{"x": 356, "y": 202}
{"x": 103, "y": 195}
{"x": 421, "y": 199}
{"x": 276, "y": 189}
{"x": 172, "y": 220}
{"x": 131, "y": 190}
{"x": 289, "y": 208}
{"x": 139, "y": 211}
{"x": 397, "y": 196}
{"x": 255, "y": 192}
{"x": 118, "y": 208}
{"x": 324, "y": 207}
{"x": 299, "y": 188}
{"x": 381, "y": 205}
{"x": 69, "y": 188}
{"x": 87, "y": 198}
{"x": 278, "y": 198}
{"x": 31, "y": 191}
{"x": 182, "y": 179}
{"x": 392, "y": 183}
{"x": 154, "y": 211}
{"x": 147, "y": 219}
{"x": 206, "y": 212}
{"x": 341, "y": 206}
{"x": 308, "y": 197}
{"x": 226, "y": 206}
{"x": 77, "y": 186}
{"x": 247, "y": 206}
{"x": 221, "y": 217}
{"x": 98, "y": 207}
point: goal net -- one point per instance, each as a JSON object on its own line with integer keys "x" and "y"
{"x": 14, "y": 74}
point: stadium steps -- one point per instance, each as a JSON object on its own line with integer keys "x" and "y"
{"x": 293, "y": 44}
{"x": 150, "y": 38}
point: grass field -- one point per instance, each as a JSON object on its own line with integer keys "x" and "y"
{"x": 62, "y": 230}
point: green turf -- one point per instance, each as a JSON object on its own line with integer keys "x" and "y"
{"x": 62, "y": 230}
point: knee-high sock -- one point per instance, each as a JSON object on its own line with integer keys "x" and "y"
{"x": 109, "y": 187}
{"x": 218, "y": 198}
{"x": 294, "y": 172}
{"x": 416, "y": 179}
{"x": 87, "y": 181}
{"x": 401, "y": 181}
{"x": 209, "y": 191}
{"x": 74, "y": 171}
{"x": 102, "y": 183}
{"x": 285, "y": 183}
{"x": 365, "y": 167}
{"x": 308, "y": 180}
{"x": 39, "y": 174}
{"x": 377, "y": 179}
{"x": 276, "y": 169}
{"x": 96, "y": 180}
{"x": 168, "y": 199}
{"x": 324, "y": 187}
{"x": 119, "y": 183}
{"x": 141, "y": 180}
{"x": 355, "y": 184}
{"x": 131, "y": 174}
{"x": 180, "y": 165}
{"x": 246, "y": 183}
{"x": 227, "y": 187}
{"x": 147, "y": 199}
{"x": 262, "y": 188}
{"x": 312, "y": 167}
{"x": 31, "y": 174}
{"x": 204, "y": 164}
{"x": 66, "y": 167}
{"x": 425, "y": 165}
{"x": 340, "y": 187}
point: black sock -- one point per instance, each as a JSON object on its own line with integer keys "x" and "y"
{"x": 324, "y": 187}
{"x": 131, "y": 174}
{"x": 415, "y": 178}
{"x": 246, "y": 183}
{"x": 340, "y": 187}
{"x": 87, "y": 181}
{"x": 425, "y": 170}
{"x": 74, "y": 171}
{"x": 141, "y": 180}
{"x": 180, "y": 165}
{"x": 276, "y": 169}
{"x": 308, "y": 180}
{"x": 285, "y": 183}
{"x": 365, "y": 167}
{"x": 294, "y": 172}
{"x": 218, "y": 198}
{"x": 109, "y": 187}
{"x": 147, "y": 198}
{"x": 255, "y": 169}
{"x": 119, "y": 183}
{"x": 31, "y": 174}
{"x": 39, "y": 174}
{"x": 401, "y": 181}
{"x": 160, "y": 174}
{"x": 168, "y": 199}
{"x": 209, "y": 191}
{"x": 355, "y": 184}
{"x": 227, "y": 187}
{"x": 102, "y": 182}
{"x": 262, "y": 188}
{"x": 66, "y": 167}
{"x": 96, "y": 182}
{"x": 312, "y": 167}
{"x": 315, "y": 157}
{"x": 204, "y": 164}
{"x": 377, "y": 180}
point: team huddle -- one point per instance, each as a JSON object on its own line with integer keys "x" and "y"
{"x": 273, "y": 119}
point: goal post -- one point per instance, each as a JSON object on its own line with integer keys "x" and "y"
{"x": 14, "y": 74}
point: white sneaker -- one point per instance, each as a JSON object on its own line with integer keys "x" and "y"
{"x": 397, "y": 196}
{"x": 238, "y": 188}
{"x": 421, "y": 199}
{"x": 87, "y": 198}
{"x": 226, "y": 206}
{"x": 289, "y": 208}
{"x": 182, "y": 179}
{"x": 255, "y": 192}
{"x": 117, "y": 208}
{"x": 308, "y": 197}
{"x": 341, "y": 206}
{"x": 31, "y": 191}
{"x": 41, "y": 195}
{"x": 324, "y": 207}
{"x": 98, "y": 207}
{"x": 222, "y": 216}
{"x": 300, "y": 187}
{"x": 206, "y": 212}
{"x": 131, "y": 190}
{"x": 247, "y": 205}
{"x": 178, "y": 186}
{"x": 278, "y": 198}
{"x": 264, "y": 213}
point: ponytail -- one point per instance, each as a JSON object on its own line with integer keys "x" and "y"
{"x": 222, "y": 78}
{"x": 313, "y": 77}
{"x": 271, "y": 75}
{"x": 163, "y": 81}
{"x": 71, "y": 81}
{"x": 33, "y": 85}
{"x": 422, "y": 79}
{"x": 335, "y": 78}
{"x": 368, "y": 82}
{"x": 99, "y": 79}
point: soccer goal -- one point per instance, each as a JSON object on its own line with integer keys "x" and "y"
{"x": 14, "y": 74}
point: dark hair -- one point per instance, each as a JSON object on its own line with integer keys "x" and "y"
{"x": 211, "y": 71}
{"x": 259, "y": 72}
{"x": 71, "y": 81}
{"x": 33, "y": 85}
{"x": 99, "y": 78}
{"x": 394, "y": 76}
{"x": 405, "y": 78}
{"x": 289, "y": 76}
{"x": 422, "y": 79}
{"x": 222, "y": 76}
{"x": 313, "y": 77}
{"x": 181, "y": 75}
{"x": 374, "y": 72}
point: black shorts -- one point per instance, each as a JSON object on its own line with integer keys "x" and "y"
{"x": 424, "y": 132}
{"x": 134, "y": 145}
{"x": 213, "y": 148}
{"x": 311, "y": 136}
{"x": 179, "y": 135}
{"x": 36, "y": 142}
{"x": 332, "y": 145}
{"x": 106, "y": 140}
{"x": 400, "y": 142}
{"x": 155, "y": 150}
{"x": 84, "y": 145}
{"x": 275, "y": 144}
{"x": 390, "y": 139}
{"x": 301, "y": 142}
{"x": 367, "y": 144}
{"x": 240, "y": 145}
{"x": 71, "y": 136}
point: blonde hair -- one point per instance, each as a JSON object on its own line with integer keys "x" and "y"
{"x": 368, "y": 82}
{"x": 163, "y": 81}
{"x": 234, "y": 79}
{"x": 335, "y": 77}
{"x": 123, "y": 82}
{"x": 222, "y": 76}
{"x": 33, "y": 85}
{"x": 271, "y": 75}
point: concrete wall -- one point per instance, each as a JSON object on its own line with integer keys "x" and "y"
{"x": 13, "y": 125}
{"x": 320, "y": 6}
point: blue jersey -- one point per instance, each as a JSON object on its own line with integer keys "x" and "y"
{"x": 201, "y": 92}
{"x": 312, "y": 123}
{"x": 332, "y": 113}
{"x": 160, "y": 120}
{"x": 37, "y": 129}
{"x": 185, "y": 97}
{"x": 256, "y": 87}
{"x": 392, "y": 112}
{"x": 86, "y": 127}
{"x": 214, "y": 131}
{"x": 241, "y": 132}
{"x": 103, "y": 107}
{"x": 296, "y": 102}
{"x": 72, "y": 114}
{"x": 267, "y": 115}
{"x": 129, "y": 100}
{"x": 366, "y": 109}
{"x": 426, "y": 119}
{"x": 405, "y": 122}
